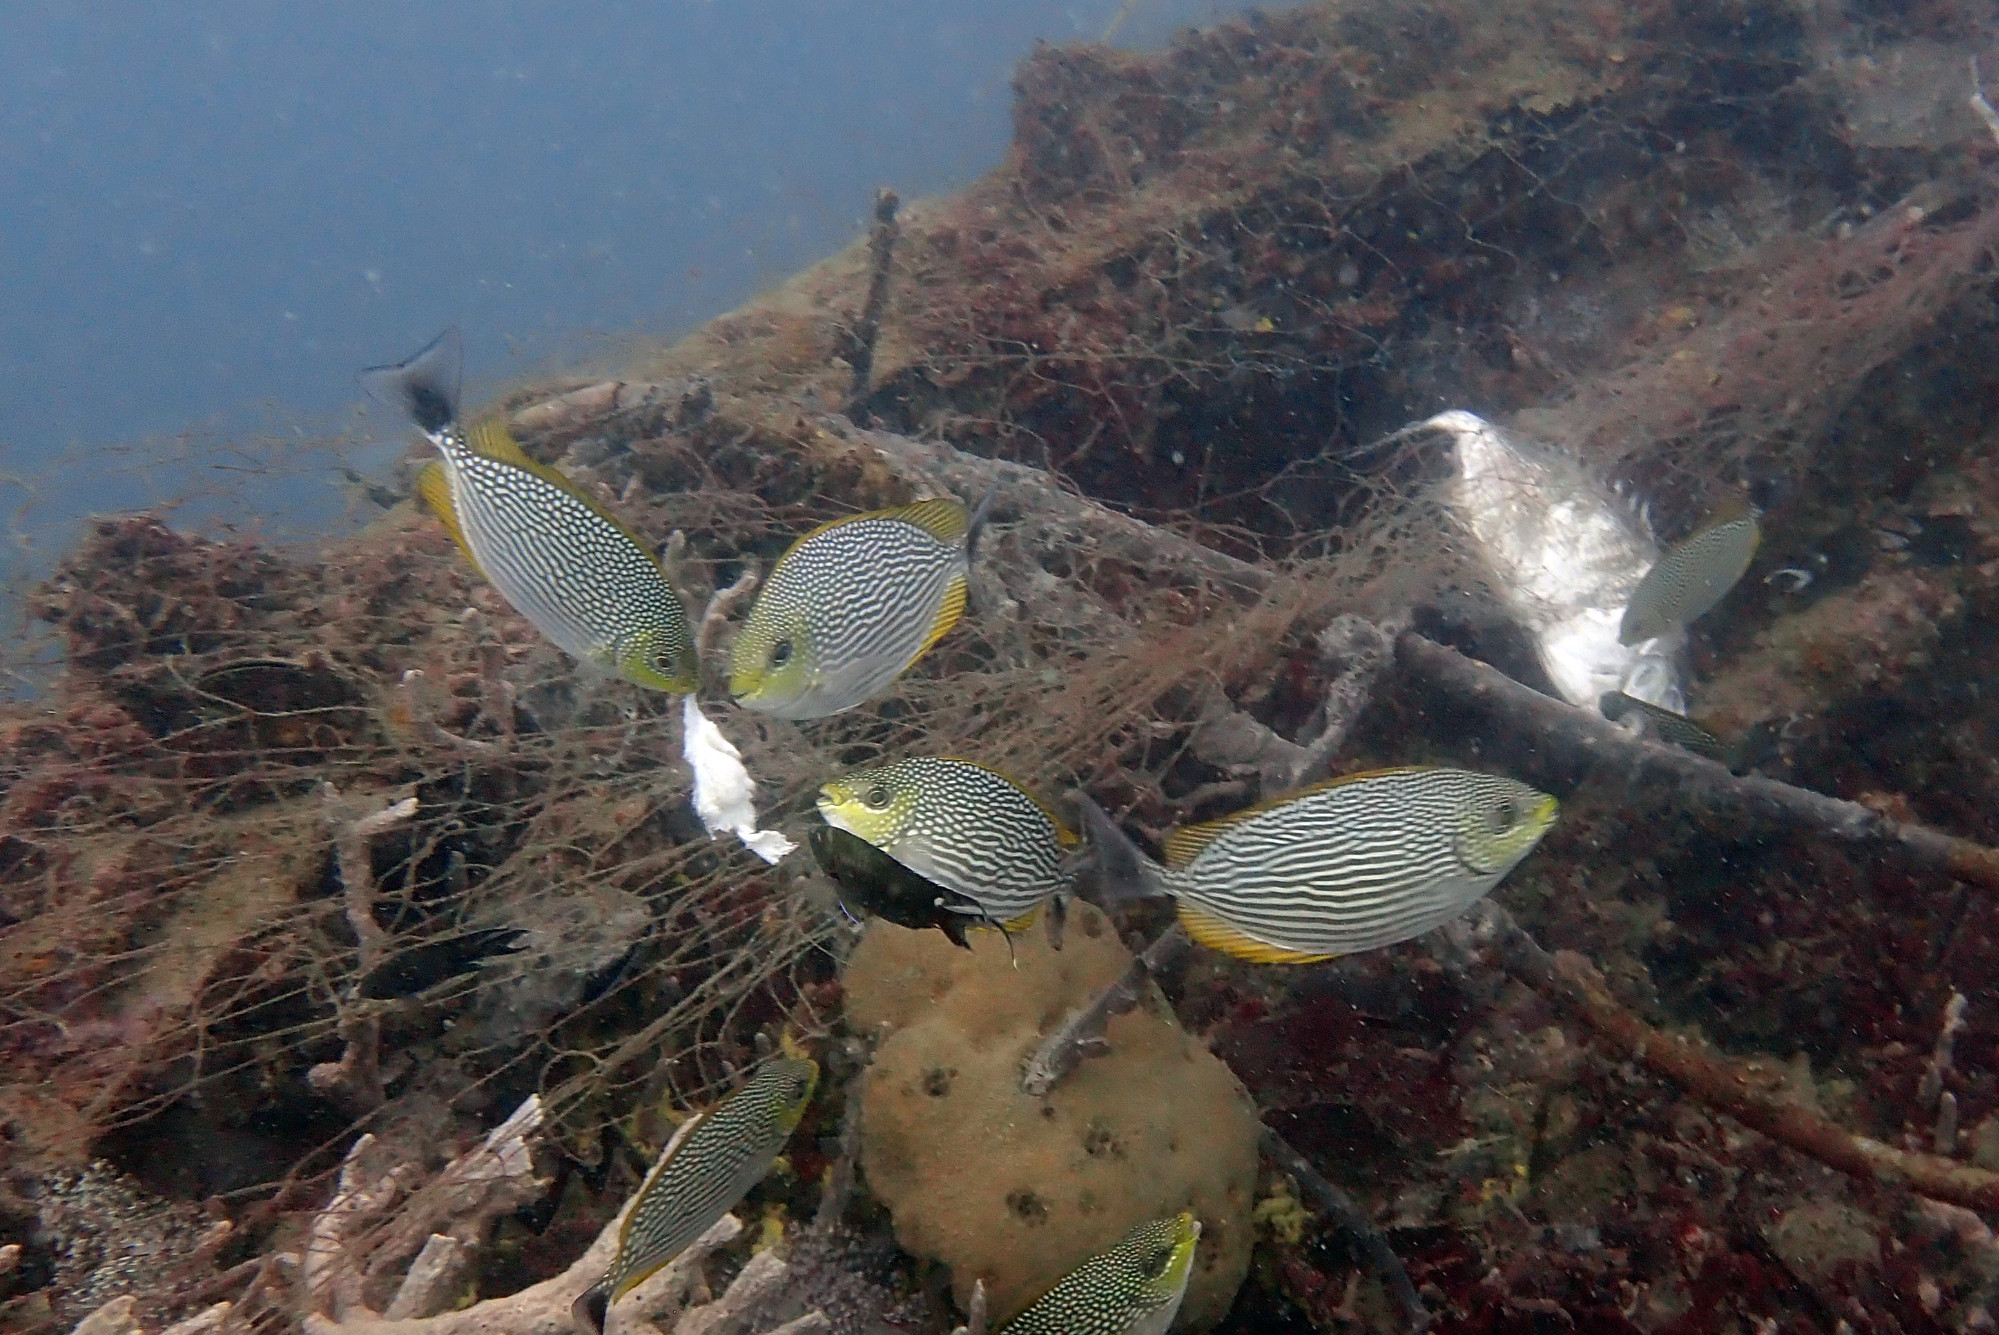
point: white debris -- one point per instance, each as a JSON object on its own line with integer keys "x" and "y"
{"x": 724, "y": 793}
{"x": 1565, "y": 556}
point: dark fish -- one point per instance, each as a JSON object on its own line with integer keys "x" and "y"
{"x": 421, "y": 967}
{"x": 1664, "y": 725}
{"x": 872, "y": 880}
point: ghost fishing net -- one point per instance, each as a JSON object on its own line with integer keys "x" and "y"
{"x": 305, "y": 836}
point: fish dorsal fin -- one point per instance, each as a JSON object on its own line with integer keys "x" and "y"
{"x": 943, "y": 519}
{"x": 1183, "y": 845}
{"x": 492, "y": 439}
{"x": 435, "y": 488}
{"x": 1215, "y": 934}
{"x": 1063, "y": 834}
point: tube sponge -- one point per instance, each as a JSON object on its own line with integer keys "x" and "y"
{"x": 1017, "y": 1190}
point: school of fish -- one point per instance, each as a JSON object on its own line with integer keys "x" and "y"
{"x": 1354, "y": 864}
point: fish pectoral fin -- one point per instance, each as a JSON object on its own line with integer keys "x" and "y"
{"x": 1215, "y": 934}
{"x": 492, "y": 439}
{"x": 948, "y": 613}
{"x": 435, "y": 487}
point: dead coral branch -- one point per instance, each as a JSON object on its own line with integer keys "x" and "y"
{"x": 355, "y": 1081}
{"x": 1560, "y": 742}
{"x": 1721, "y": 1083}
{"x": 881, "y": 254}
{"x": 1346, "y": 1215}
{"x": 1081, "y": 1033}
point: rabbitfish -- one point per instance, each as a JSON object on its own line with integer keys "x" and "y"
{"x": 851, "y": 605}
{"x": 1353, "y": 864}
{"x": 565, "y": 562}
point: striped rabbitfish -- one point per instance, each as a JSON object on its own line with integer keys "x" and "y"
{"x": 705, "y": 1171}
{"x": 851, "y": 605}
{"x": 1663, "y": 724}
{"x": 1135, "y": 1288}
{"x": 966, "y": 828}
{"x": 1354, "y": 864}
{"x": 566, "y": 563}
{"x": 1692, "y": 576}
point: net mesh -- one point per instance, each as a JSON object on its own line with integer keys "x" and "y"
{"x": 1204, "y": 287}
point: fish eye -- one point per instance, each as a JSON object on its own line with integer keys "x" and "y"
{"x": 780, "y": 653}
{"x": 1505, "y": 814}
{"x": 798, "y": 1089}
{"x": 1157, "y": 1262}
{"x": 661, "y": 659}
{"x": 877, "y": 797}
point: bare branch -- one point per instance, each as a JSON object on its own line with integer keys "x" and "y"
{"x": 1081, "y": 1033}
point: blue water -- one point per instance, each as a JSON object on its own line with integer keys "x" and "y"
{"x": 216, "y": 210}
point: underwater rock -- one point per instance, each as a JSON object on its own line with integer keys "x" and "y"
{"x": 1017, "y": 1190}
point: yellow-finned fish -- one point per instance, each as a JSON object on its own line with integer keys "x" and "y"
{"x": 1353, "y": 864}
{"x": 851, "y": 605}
{"x": 565, "y": 562}
{"x": 1692, "y": 576}
{"x": 705, "y": 1171}
{"x": 961, "y": 826}
{"x": 1135, "y": 1288}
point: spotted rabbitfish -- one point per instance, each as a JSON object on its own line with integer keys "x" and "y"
{"x": 963, "y": 827}
{"x": 565, "y": 562}
{"x": 1694, "y": 574}
{"x": 1354, "y": 864}
{"x": 1135, "y": 1288}
{"x": 851, "y": 605}
{"x": 707, "y": 1168}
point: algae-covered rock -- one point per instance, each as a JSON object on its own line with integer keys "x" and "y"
{"x": 1019, "y": 1190}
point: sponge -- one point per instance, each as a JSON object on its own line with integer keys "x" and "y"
{"x": 1018, "y": 1190}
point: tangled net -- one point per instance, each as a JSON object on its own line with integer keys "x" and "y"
{"x": 301, "y": 837}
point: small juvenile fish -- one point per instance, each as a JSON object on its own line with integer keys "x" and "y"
{"x": 1135, "y": 1288}
{"x": 1353, "y": 864}
{"x": 705, "y": 1171}
{"x": 966, "y": 828}
{"x": 1665, "y": 725}
{"x": 851, "y": 605}
{"x": 565, "y": 562}
{"x": 1692, "y": 576}
{"x": 876, "y": 882}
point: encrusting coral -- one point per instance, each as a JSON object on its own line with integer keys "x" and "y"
{"x": 1016, "y": 1190}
